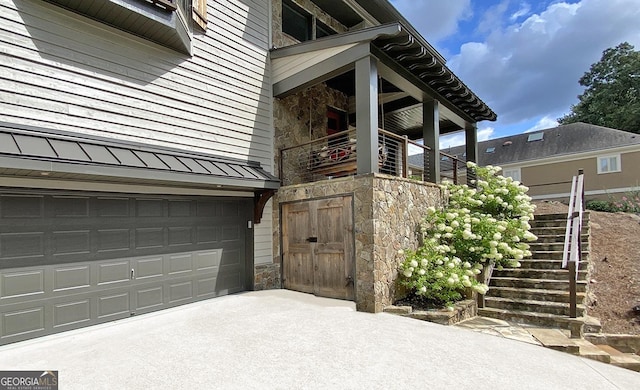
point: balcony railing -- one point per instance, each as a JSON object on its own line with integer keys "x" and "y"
{"x": 336, "y": 156}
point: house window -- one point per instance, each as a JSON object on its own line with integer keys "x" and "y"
{"x": 323, "y": 30}
{"x": 609, "y": 164}
{"x": 535, "y": 137}
{"x": 296, "y": 22}
{"x": 514, "y": 173}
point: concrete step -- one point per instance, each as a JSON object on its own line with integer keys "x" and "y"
{"x": 547, "y": 264}
{"x": 554, "y": 223}
{"x": 533, "y": 294}
{"x": 559, "y": 216}
{"x": 542, "y": 237}
{"x": 554, "y": 255}
{"x": 555, "y": 339}
{"x": 554, "y": 231}
{"x": 574, "y": 325}
{"x": 590, "y": 351}
{"x": 526, "y": 305}
{"x": 530, "y": 273}
{"x": 551, "y": 246}
{"x": 502, "y": 281}
{"x": 625, "y": 360}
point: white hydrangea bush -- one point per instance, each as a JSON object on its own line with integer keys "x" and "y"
{"x": 487, "y": 224}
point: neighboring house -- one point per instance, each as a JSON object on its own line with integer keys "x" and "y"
{"x": 546, "y": 160}
{"x": 141, "y": 143}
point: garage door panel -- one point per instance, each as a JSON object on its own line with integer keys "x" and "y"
{"x": 207, "y": 234}
{"x": 149, "y": 267}
{"x": 21, "y": 284}
{"x": 230, "y": 233}
{"x": 21, "y": 245}
{"x": 148, "y": 298}
{"x": 180, "y": 208}
{"x": 206, "y": 287}
{"x": 68, "y": 261}
{"x": 114, "y": 272}
{"x": 73, "y": 314}
{"x": 229, "y": 282}
{"x": 207, "y": 260}
{"x": 70, "y": 206}
{"x": 112, "y": 207}
{"x": 21, "y": 206}
{"x": 149, "y": 208}
{"x": 181, "y": 236}
{"x": 180, "y": 292}
{"x": 22, "y": 323}
{"x": 71, "y": 242}
{"x": 147, "y": 238}
{"x": 114, "y": 306}
{"x": 180, "y": 264}
{"x": 75, "y": 277}
{"x": 110, "y": 240}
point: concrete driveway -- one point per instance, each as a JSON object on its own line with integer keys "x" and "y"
{"x": 287, "y": 340}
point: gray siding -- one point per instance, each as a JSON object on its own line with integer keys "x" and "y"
{"x": 63, "y": 71}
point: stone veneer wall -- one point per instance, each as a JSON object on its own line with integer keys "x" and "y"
{"x": 302, "y": 117}
{"x": 267, "y": 277}
{"x": 387, "y": 214}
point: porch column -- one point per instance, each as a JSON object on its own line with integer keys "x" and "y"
{"x": 367, "y": 114}
{"x": 431, "y": 138}
{"x": 471, "y": 144}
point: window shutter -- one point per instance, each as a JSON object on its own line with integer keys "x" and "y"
{"x": 199, "y": 13}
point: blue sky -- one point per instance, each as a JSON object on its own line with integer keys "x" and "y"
{"x": 523, "y": 58}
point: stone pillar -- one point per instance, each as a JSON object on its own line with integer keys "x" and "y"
{"x": 431, "y": 137}
{"x": 367, "y": 114}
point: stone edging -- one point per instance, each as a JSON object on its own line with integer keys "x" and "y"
{"x": 625, "y": 343}
{"x": 461, "y": 311}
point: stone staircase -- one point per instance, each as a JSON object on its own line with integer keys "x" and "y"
{"x": 537, "y": 293}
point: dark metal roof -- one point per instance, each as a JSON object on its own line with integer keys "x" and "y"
{"x": 413, "y": 54}
{"x": 25, "y": 149}
{"x": 558, "y": 141}
{"x": 424, "y": 62}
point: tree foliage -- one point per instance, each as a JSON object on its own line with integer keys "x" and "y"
{"x": 612, "y": 91}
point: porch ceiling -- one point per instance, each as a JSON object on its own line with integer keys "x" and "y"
{"x": 401, "y": 54}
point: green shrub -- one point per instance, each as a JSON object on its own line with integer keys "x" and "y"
{"x": 489, "y": 224}
{"x": 600, "y": 205}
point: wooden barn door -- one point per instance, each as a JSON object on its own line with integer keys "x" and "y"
{"x": 317, "y": 246}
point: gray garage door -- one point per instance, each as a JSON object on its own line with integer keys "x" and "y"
{"x": 73, "y": 260}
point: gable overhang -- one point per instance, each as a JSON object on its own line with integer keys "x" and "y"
{"x": 32, "y": 152}
{"x": 404, "y": 58}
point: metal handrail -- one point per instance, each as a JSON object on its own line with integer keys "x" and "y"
{"x": 572, "y": 253}
{"x": 336, "y": 156}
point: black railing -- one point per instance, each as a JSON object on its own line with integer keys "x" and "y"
{"x": 336, "y": 156}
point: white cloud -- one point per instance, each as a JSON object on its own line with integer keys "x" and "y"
{"x": 458, "y": 138}
{"x": 434, "y": 19}
{"x": 524, "y": 10}
{"x": 544, "y": 123}
{"x": 531, "y": 68}
{"x": 485, "y": 134}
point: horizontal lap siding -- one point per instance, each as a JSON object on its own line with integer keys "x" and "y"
{"x": 64, "y": 71}
{"x": 60, "y": 70}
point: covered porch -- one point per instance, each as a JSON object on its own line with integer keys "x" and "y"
{"x": 350, "y": 111}
{"x": 395, "y": 98}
